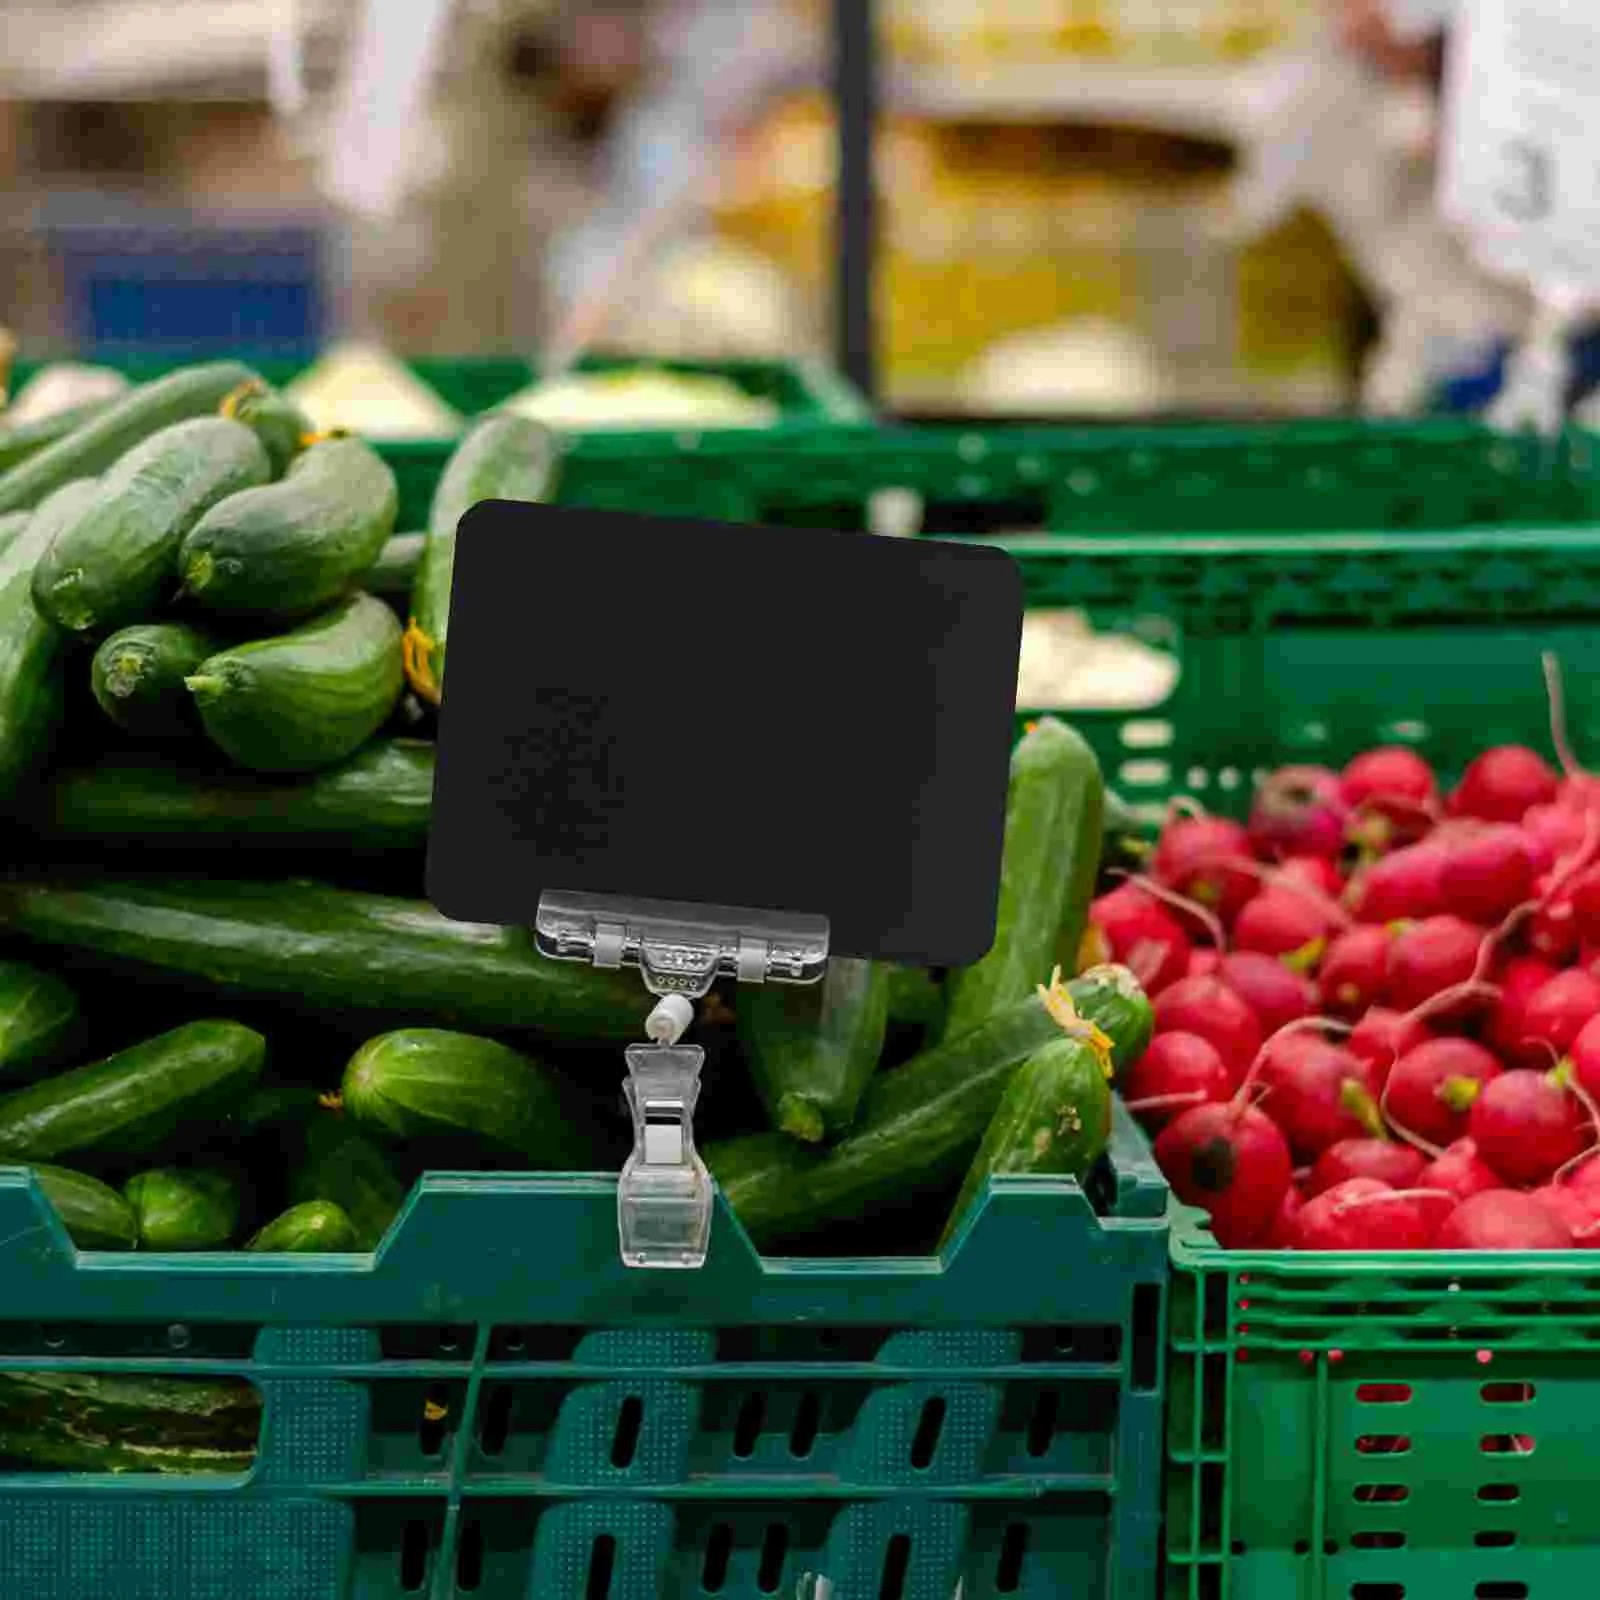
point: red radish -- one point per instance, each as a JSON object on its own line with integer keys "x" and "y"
{"x": 1365, "y": 1214}
{"x": 1460, "y": 1170}
{"x": 1316, "y": 872}
{"x": 1485, "y": 875}
{"x": 1318, "y": 1094}
{"x": 1584, "y": 1177}
{"x": 1299, "y": 811}
{"x": 1268, "y": 987}
{"x": 1405, "y": 884}
{"x": 1230, "y": 1160}
{"x": 1382, "y": 1036}
{"x": 1553, "y": 931}
{"x": 1579, "y": 791}
{"x": 1584, "y": 892}
{"x": 1430, "y": 957}
{"x": 1555, "y": 830}
{"x": 1521, "y": 979}
{"x": 1432, "y": 1088}
{"x": 1204, "y": 962}
{"x": 1208, "y": 1007}
{"x": 1279, "y": 922}
{"x": 1196, "y": 856}
{"x": 1173, "y": 1067}
{"x": 1527, "y": 1124}
{"x": 1573, "y": 1209}
{"x": 1502, "y": 783}
{"x": 1142, "y": 934}
{"x": 1388, "y": 772}
{"x": 1502, "y": 1219}
{"x": 1395, "y": 1164}
{"x": 1394, "y": 794}
{"x": 1555, "y": 1014}
{"x": 1354, "y": 973}
{"x": 1280, "y": 1235}
{"x": 1585, "y": 1058}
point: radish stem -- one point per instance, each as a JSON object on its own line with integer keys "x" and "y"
{"x": 1558, "y": 715}
{"x": 1159, "y": 891}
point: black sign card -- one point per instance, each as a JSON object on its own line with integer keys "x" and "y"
{"x": 780, "y": 718}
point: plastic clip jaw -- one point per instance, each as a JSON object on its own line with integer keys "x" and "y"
{"x": 664, "y": 1193}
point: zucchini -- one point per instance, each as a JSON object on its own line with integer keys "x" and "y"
{"x": 380, "y": 799}
{"x": 129, "y": 1103}
{"x": 313, "y": 1225}
{"x": 812, "y": 1048}
{"x": 305, "y": 699}
{"x": 138, "y": 674}
{"x": 95, "y": 1216}
{"x": 19, "y": 440}
{"x": 104, "y": 1422}
{"x": 345, "y": 1168}
{"x": 392, "y": 575}
{"x": 31, "y": 691}
{"x": 97, "y": 444}
{"x": 501, "y": 457}
{"x": 1054, "y": 1117}
{"x": 1054, "y": 815}
{"x": 280, "y": 425}
{"x": 918, "y": 1124}
{"x": 295, "y": 546}
{"x": 113, "y": 563}
{"x": 420, "y": 1083}
{"x": 39, "y": 1016}
{"x": 183, "y": 1208}
{"x": 331, "y": 948}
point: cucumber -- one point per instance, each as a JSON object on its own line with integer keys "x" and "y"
{"x": 19, "y": 440}
{"x": 314, "y": 1225}
{"x": 812, "y": 1048}
{"x": 31, "y": 692}
{"x": 1054, "y": 1117}
{"x": 306, "y": 699}
{"x": 501, "y": 457}
{"x": 138, "y": 674}
{"x": 432, "y": 1083}
{"x": 1125, "y": 845}
{"x": 11, "y": 524}
{"x": 379, "y": 799}
{"x": 280, "y": 425}
{"x": 104, "y": 1422}
{"x": 1054, "y": 815}
{"x": 95, "y": 445}
{"x": 294, "y": 546}
{"x": 113, "y": 563}
{"x": 95, "y": 1216}
{"x": 392, "y": 575}
{"x": 183, "y": 1208}
{"x": 345, "y": 1168}
{"x": 39, "y": 1016}
{"x": 332, "y": 948}
{"x": 918, "y": 1124}
{"x": 129, "y": 1103}
{"x": 915, "y": 998}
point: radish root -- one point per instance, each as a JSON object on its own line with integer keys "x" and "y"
{"x": 1179, "y": 902}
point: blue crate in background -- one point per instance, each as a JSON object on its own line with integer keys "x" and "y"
{"x": 194, "y": 291}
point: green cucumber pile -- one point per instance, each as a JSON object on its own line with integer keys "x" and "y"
{"x": 230, "y": 1021}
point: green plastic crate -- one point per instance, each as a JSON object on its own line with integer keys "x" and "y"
{"x": 992, "y": 1419}
{"x": 1435, "y": 476}
{"x": 810, "y": 397}
{"x": 1361, "y": 1427}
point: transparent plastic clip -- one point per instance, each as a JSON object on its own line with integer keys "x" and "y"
{"x": 664, "y": 1191}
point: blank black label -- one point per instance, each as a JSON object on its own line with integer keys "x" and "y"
{"x": 785, "y": 719}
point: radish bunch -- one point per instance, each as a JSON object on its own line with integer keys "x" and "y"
{"x": 1377, "y": 1006}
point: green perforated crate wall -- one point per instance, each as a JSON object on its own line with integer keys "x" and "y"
{"x": 493, "y": 1406}
{"x": 1436, "y": 476}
